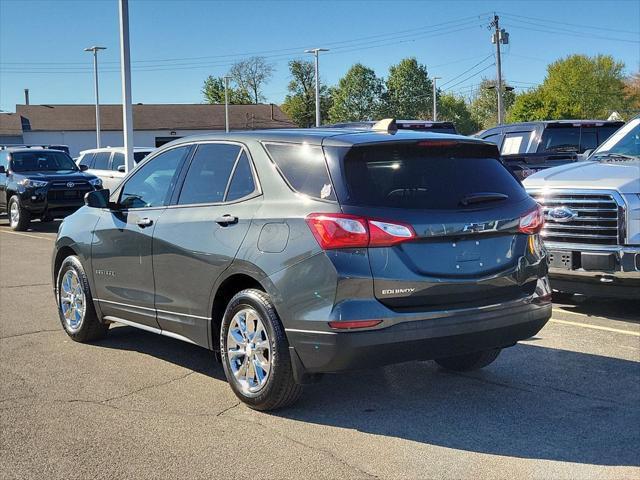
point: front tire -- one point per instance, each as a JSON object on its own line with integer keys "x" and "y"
{"x": 19, "y": 218}
{"x": 469, "y": 361}
{"x": 255, "y": 352}
{"x": 75, "y": 303}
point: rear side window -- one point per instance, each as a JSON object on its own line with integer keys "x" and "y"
{"x": 101, "y": 160}
{"x": 304, "y": 168}
{"x": 515, "y": 143}
{"x": 87, "y": 159}
{"x": 560, "y": 139}
{"x": 209, "y": 172}
{"x": 242, "y": 183}
{"x": 137, "y": 156}
{"x": 424, "y": 177}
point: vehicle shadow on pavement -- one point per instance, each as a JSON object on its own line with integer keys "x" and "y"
{"x": 534, "y": 402}
{"x": 615, "y": 309}
{"x": 191, "y": 357}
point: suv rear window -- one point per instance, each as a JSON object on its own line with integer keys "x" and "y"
{"x": 425, "y": 176}
{"x": 303, "y": 167}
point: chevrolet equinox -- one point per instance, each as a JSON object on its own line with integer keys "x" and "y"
{"x": 293, "y": 253}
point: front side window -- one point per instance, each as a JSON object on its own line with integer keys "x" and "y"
{"x": 101, "y": 160}
{"x": 209, "y": 172}
{"x": 625, "y": 142}
{"x": 87, "y": 159}
{"x": 151, "y": 184}
{"x": 49, "y": 160}
{"x": 303, "y": 166}
{"x": 117, "y": 161}
{"x": 4, "y": 160}
{"x": 515, "y": 143}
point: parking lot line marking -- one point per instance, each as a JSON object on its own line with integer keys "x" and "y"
{"x": 596, "y": 327}
{"x": 27, "y": 235}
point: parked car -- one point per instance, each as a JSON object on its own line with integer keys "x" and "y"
{"x": 41, "y": 183}
{"x": 109, "y": 163}
{"x": 293, "y": 253}
{"x": 420, "y": 125}
{"x": 532, "y": 146}
{"x": 64, "y": 148}
{"x": 593, "y": 218}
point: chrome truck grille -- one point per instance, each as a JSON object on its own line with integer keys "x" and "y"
{"x": 592, "y": 218}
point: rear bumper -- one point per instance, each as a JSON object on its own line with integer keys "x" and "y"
{"x": 452, "y": 333}
{"x": 606, "y": 272}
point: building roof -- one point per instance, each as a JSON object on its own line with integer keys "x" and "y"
{"x": 145, "y": 117}
{"x": 10, "y": 124}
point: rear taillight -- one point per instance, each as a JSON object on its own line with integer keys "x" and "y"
{"x": 532, "y": 222}
{"x": 338, "y": 230}
{"x": 354, "y": 324}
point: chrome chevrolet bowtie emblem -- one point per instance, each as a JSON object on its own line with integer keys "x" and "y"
{"x": 71, "y": 184}
{"x": 561, "y": 214}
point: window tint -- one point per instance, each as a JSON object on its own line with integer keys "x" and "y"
{"x": 208, "y": 174}
{"x": 118, "y": 159}
{"x": 424, "y": 177}
{"x": 562, "y": 139}
{"x": 515, "y": 143}
{"x": 495, "y": 138}
{"x": 101, "y": 160}
{"x": 150, "y": 185}
{"x": 137, "y": 156}
{"x": 87, "y": 159}
{"x": 48, "y": 160}
{"x": 605, "y": 132}
{"x": 588, "y": 139}
{"x": 304, "y": 167}
{"x": 242, "y": 183}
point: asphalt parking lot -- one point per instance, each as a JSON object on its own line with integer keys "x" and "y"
{"x": 564, "y": 404}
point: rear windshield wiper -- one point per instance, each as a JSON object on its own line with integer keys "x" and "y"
{"x": 482, "y": 197}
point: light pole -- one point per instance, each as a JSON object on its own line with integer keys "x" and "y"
{"x": 95, "y": 50}
{"x": 125, "y": 73}
{"x": 435, "y": 107}
{"x": 226, "y": 104}
{"x": 315, "y": 52}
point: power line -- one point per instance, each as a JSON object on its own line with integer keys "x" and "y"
{"x": 564, "y": 24}
{"x": 466, "y": 71}
{"x": 473, "y": 75}
{"x": 551, "y": 29}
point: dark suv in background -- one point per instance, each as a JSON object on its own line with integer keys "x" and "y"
{"x": 532, "y": 146}
{"x": 42, "y": 183}
{"x": 417, "y": 125}
{"x": 293, "y": 253}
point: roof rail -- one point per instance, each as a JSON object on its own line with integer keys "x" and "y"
{"x": 63, "y": 148}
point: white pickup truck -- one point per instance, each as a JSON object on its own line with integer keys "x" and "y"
{"x": 592, "y": 213}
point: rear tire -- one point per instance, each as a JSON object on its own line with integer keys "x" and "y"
{"x": 470, "y": 361}
{"x": 19, "y": 218}
{"x": 255, "y": 352}
{"x": 75, "y": 303}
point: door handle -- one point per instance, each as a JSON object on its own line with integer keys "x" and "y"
{"x": 145, "y": 222}
{"x": 227, "y": 220}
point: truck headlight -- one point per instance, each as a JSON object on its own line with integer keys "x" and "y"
{"x": 27, "y": 182}
{"x": 96, "y": 182}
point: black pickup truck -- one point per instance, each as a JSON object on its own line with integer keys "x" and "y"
{"x": 532, "y": 146}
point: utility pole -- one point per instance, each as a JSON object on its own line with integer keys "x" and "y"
{"x": 95, "y": 51}
{"x": 435, "y": 107}
{"x": 125, "y": 67}
{"x": 499, "y": 36}
{"x": 315, "y": 52}
{"x": 226, "y": 104}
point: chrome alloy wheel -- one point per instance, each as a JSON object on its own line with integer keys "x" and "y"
{"x": 249, "y": 350}
{"x": 72, "y": 301}
{"x": 14, "y": 214}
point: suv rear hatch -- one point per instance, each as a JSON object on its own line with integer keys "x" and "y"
{"x": 465, "y": 212}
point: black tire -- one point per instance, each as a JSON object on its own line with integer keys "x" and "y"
{"x": 280, "y": 388}
{"x": 470, "y": 361}
{"x": 24, "y": 217}
{"x": 90, "y": 327}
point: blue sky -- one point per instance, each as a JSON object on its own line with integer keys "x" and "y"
{"x": 176, "y": 44}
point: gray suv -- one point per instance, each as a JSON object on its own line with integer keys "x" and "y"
{"x": 294, "y": 253}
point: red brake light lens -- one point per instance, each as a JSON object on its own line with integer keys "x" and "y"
{"x": 354, "y": 324}
{"x": 338, "y": 230}
{"x": 532, "y": 222}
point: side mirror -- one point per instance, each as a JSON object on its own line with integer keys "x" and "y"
{"x": 97, "y": 198}
{"x": 122, "y": 168}
{"x": 586, "y": 154}
{"x": 84, "y": 168}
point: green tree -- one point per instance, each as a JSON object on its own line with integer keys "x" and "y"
{"x": 251, "y": 74}
{"x": 213, "y": 91}
{"x": 300, "y": 102}
{"x": 358, "y": 96}
{"x": 484, "y": 105}
{"x": 577, "y": 86}
{"x": 454, "y": 109}
{"x": 409, "y": 91}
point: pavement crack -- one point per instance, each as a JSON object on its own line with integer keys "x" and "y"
{"x": 29, "y": 333}
{"x": 222, "y": 412}
{"x": 28, "y": 285}
{"x": 147, "y": 387}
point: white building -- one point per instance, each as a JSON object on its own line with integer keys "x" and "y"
{"x": 153, "y": 125}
